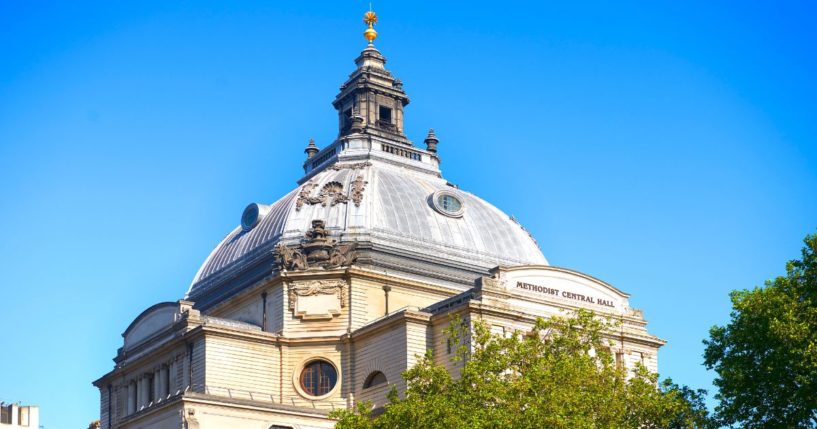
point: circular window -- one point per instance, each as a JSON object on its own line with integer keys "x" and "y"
{"x": 318, "y": 378}
{"x": 447, "y": 203}
{"x": 252, "y": 215}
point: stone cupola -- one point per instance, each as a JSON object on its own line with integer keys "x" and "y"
{"x": 371, "y": 101}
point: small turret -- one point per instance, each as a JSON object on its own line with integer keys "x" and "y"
{"x": 371, "y": 101}
{"x": 431, "y": 141}
{"x": 311, "y": 149}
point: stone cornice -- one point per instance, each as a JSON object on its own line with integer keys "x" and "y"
{"x": 202, "y": 398}
{"x": 406, "y": 315}
{"x": 480, "y": 309}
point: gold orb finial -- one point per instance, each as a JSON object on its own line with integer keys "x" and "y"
{"x": 370, "y": 18}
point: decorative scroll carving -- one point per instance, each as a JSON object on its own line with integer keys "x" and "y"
{"x": 318, "y": 250}
{"x": 354, "y": 166}
{"x": 331, "y": 194}
{"x": 290, "y": 258}
{"x": 303, "y": 196}
{"x": 358, "y": 187}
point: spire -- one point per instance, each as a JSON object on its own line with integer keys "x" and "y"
{"x": 371, "y": 101}
{"x": 311, "y": 149}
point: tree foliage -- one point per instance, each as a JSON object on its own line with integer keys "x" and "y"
{"x": 559, "y": 375}
{"x": 766, "y": 356}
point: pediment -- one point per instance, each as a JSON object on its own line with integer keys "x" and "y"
{"x": 154, "y": 319}
{"x": 547, "y": 284}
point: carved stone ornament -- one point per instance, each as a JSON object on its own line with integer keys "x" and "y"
{"x": 317, "y": 251}
{"x": 358, "y": 186}
{"x": 331, "y": 194}
{"x": 493, "y": 283}
{"x": 317, "y": 299}
{"x": 303, "y": 196}
{"x": 354, "y": 166}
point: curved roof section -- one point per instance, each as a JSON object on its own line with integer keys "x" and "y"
{"x": 395, "y": 211}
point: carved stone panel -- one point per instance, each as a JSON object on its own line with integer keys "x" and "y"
{"x": 317, "y": 299}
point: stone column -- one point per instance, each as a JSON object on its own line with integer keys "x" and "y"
{"x": 116, "y": 397}
{"x": 145, "y": 388}
{"x": 163, "y": 389}
{"x": 157, "y": 381}
{"x": 140, "y": 393}
{"x": 172, "y": 378}
{"x": 160, "y": 383}
{"x": 185, "y": 372}
{"x": 131, "y": 398}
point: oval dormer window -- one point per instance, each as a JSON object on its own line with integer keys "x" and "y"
{"x": 252, "y": 215}
{"x": 447, "y": 203}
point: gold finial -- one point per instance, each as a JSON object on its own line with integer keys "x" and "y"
{"x": 370, "y": 18}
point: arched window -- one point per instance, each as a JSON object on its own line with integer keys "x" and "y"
{"x": 375, "y": 379}
{"x": 318, "y": 378}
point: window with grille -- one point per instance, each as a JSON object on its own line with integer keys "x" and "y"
{"x": 318, "y": 378}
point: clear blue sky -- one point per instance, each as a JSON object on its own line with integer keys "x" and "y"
{"x": 669, "y": 149}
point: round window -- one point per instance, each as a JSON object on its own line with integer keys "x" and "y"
{"x": 250, "y": 217}
{"x": 447, "y": 203}
{"x": 318, "y": 378}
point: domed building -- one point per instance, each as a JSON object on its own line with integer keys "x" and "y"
{"x": 322, "y": 298}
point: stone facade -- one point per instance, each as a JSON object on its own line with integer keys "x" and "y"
{"x": 241, "y": 361}
{"x": 322, "y": 299}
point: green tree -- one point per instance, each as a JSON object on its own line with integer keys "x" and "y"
{"x": 766, "y": 357}
{"x": 559, "y": 375}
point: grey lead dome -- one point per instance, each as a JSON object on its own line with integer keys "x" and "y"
{"x": 394, "y": 215}
{"x": 377, "y": 191}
